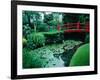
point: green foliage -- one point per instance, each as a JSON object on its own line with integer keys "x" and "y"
{"x": 39, "y": 58}
{"x": 73, "y": 18}
{"x": 46, "y": 56}
{"x": 31, "y": 44}
{"x": 81, "y": 56}
{"x": 43, "y": 27}
{"x": 54, "y": 37}
{"x": 40, "y": 28}
{"x": 53, "y": 32}
{"x": 25, "y": 19}
{"x": 35, "y": 18}
{"x": 32, "y": 18}
{"x": 53, "y": 19}
{"x": 24, "y": 41}
{"x": 87, "y": 39}
{"x": 37, "y": 38}
{"x": 70, "y": 18}
{"x": 26, "y": 30}
{"x": 26, "y": 58}
{"x": 82, "y": 18}
{"x": 53, "y": 23}
{"x": 47, "y": 18}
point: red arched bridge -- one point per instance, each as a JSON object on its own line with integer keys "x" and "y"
{"x": 75, "y": 27}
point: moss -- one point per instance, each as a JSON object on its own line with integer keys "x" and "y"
{"x": 81, "y": 56}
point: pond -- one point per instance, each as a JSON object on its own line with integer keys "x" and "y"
{"x": 54, "y": 55}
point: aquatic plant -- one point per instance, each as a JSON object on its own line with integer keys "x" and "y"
{"x": 39, "y": 58}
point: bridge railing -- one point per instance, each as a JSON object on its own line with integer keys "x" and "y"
{"x": 77, "y": 25}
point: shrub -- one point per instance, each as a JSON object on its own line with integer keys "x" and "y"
{"x": 54, "y": 37}
{"x": 31, "y": 44}
{"x": 36, "y": 58}
{"x": 41, "y": 57}
{"x": 24, "y": 41}
{"x": 25, "y": 18}
{"x": 26, "y": 58}
{"x": 42, "y": 27}
{"x": 87, "y": 38}
{"x": 81, "y": 56}
{"x": 26, "y": 30}
{"x": 37, "y": 38}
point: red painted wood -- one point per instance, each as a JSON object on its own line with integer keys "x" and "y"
{"x": 87, "y": 26}
{"x": 77, "y": 30}
{"x": 76, "y": 27}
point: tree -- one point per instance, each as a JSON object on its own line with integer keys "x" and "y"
{"x": 70, "y": 18}
{"x": 48, "y": 18}
{"x": 32, "y": 18}
{"x": 74, "y": 18}
{"x": 53, "y": 19}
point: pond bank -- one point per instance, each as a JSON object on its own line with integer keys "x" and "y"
{"x": 54, "y": 55}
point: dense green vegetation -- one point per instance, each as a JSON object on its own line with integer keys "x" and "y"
{"x": 44, "y": 40}
{"x": 49, "y": 55}
{"x": 81, "y": 56}
{"x": 37, "y": 38}
{"x": 72, "y": 18}
{"x": 87, "y": 38}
